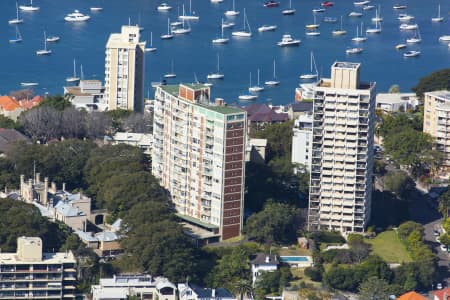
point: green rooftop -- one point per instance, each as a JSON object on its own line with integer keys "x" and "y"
{"x": 173, "y": 89}
{"x": 225, "y": 110}
{"x": 196, "y": 221}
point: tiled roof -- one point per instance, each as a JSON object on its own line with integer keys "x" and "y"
{"x": 9, "y": 104}
{"x": 440, "y": 294}
{"x": 264, "y": 259}
{"x": 411, "y": 296}
{"x": 302, "y": 106}
{"x": 9, "y": 136}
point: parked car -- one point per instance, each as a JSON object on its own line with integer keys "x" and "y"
{"x": 443, "y": 247}
{"x": 439, "y": 286}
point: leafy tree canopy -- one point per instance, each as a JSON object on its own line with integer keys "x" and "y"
{"x": 57, "y": 102}
{"x": 439, "y": 80}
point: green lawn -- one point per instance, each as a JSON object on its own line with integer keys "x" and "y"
{"x": 389, "y": 247}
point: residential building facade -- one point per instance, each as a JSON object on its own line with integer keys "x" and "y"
{"x": 145, "y": 287}
{"x": 198, "y": 156}
{"x": 342, "y": 151}
{"x": 124, "y": 70}
{"x": 32, "y": 274}
{"x": 88, "y": 94}
{"x": 436, "y": 122}
{"x": 393, "y": 102}
{"x": 263, "y": 263}
{"x": 302, "y": 141}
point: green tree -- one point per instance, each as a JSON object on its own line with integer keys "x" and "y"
{"x": 276, "y": 223}
{"x": 58, "y": 102}
{"x": 399, "y": 183}
{"x": 444, "y": 204}
{"x": 279, "y": 139}
{"x": 394, "y": 89}
{"x": 8, "y": 123}
{"x": 438, "y": 80}
{"x": 374, "y": 289}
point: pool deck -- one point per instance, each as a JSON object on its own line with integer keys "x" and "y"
{"x": 308, "y": 262}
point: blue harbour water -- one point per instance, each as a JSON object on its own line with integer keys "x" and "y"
{"x": 194, "y": 53}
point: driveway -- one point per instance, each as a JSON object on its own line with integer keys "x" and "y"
{"x": 422, "y": 212}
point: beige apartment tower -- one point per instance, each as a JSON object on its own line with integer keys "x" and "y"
{"x": 342, "y": 151}
{"x": 124, "y": 70}
{"x": 436, "y": 122}
{"x": 32, "y": 274}
{"x": 198, "y": 156}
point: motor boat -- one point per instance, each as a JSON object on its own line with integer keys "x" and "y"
{"x": 287, "y": 41}
{"x": 76, "y": 16}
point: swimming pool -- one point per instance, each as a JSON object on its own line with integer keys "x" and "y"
{"x": 294, "y": 259}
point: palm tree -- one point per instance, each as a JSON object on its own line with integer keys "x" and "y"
{"x": 243, "y": 287}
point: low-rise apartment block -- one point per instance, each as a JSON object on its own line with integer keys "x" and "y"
{"x": 32, "y": 274}
{"x": 302, "y": 141}
{"x": 436, "y": 122}
{"x": 198, "y": 156}
{"x": 145, "y": 287}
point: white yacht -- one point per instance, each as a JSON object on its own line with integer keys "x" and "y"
{"x": 171, "y": 74}
{"x": 18, "y": 38}
{"x": 222, "y": 39}
{"x": 217, "y": 74}
{"x": 164, "y": 7}
{"x": 29, "y": 7}
{"x": 17, "y": 20}
{"x": 227, "y": 24}
{"x": 44, "y": 51}
{"x": 233, "y": 12}
{"x": 368, "y": 7}
{"x": 444, "y": 38}
{"x": 408, "y": 26}
{"x": 361, "y": 3}
{"x": 377, "y": 17}
{"x": 74, "y": 77}
{"x": 313, "y": 74}
{"x": 29, "y": 83}
{"x": 190, "y": 16}
{"x": 151, "y": 48}
{"x": 287, "y": 41}
{"x": 76, "y": 16}
{"x": 377, "y": 28}
{"x": 355, "y": 14}
{"x": 438, "y": 18}
{"x": 313, "y": 32}
{"x": 288, "y": 11}
{"x": 339, "y": 31}
{"x": 356, "y": 50}
{"x": 416, "y": 39}
{"x": 267, "y": 28}
{"x": 405, "y": 17}
{"x": 169, "y": 34}
{"x": 274, "y": 81}
{"x": 96, "y": 9}
{"x": 399, "y": 6}
{"x": 359, "y": 38}
{"x": 248, "y": 97}
{"x": 183, "y": 29}
{"x": 256, "y": 88}
{"x": 53, "y": 38}
{"x": 246, "y": 31}
{"x": 411, "y": 53}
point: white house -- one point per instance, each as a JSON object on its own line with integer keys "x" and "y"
{"x": 302, "y": 141}
{"x": 192, "y": 292}
{"x": 392, "y": 102}
{"x": 263, "y": 263}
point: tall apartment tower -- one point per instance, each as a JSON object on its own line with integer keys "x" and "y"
{"x": 124, "y": 70}
{"x": 436, "y": 122}
{"x": 342, "y": 151}
{"x": 198, "y": 156}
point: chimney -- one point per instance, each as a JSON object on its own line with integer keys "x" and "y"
{"x": 64, "y": 186}
{"x": 38, "y": 178}
{"x": 44, "y": 202}
{"x": 219, "y": 102}
{"x": 267, "y": 258}
{"x": 53, "y": 188}
{"x": 213, "y": 293}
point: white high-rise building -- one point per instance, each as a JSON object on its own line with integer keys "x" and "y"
{"x": 342, "y": 151}
{"x": 124, "y": 70}
{"x": 302, "y": 141}
{"x": 198, "y": 156}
